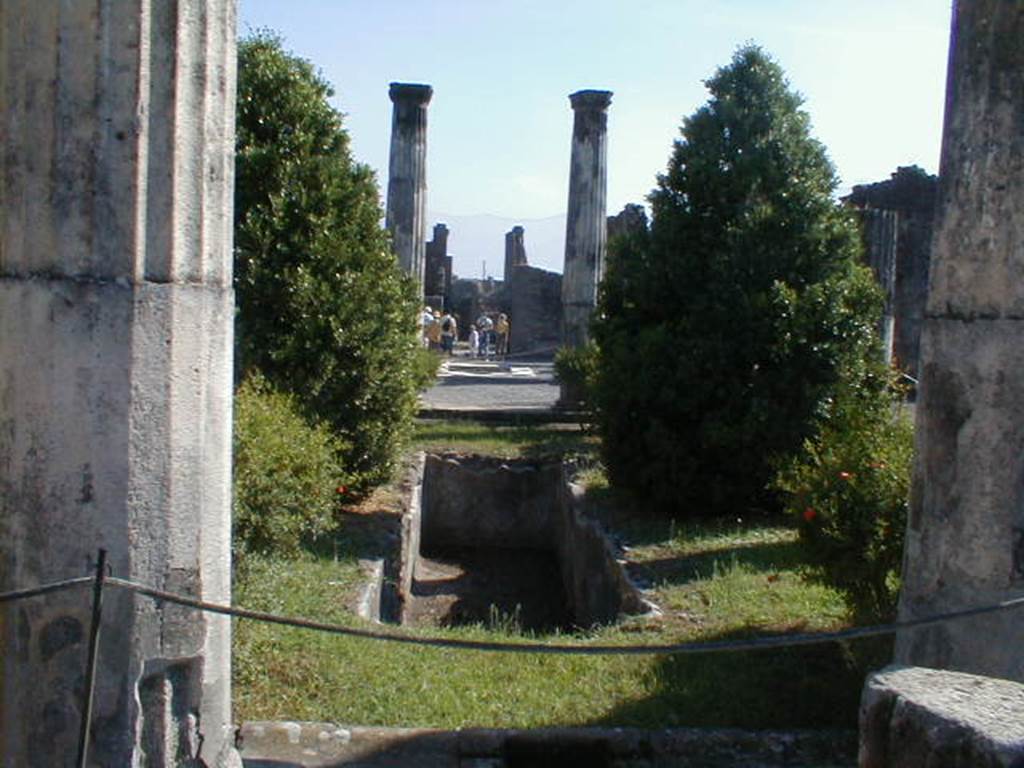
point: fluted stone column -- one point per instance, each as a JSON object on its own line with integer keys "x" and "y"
{"x": 407, "y": 175}
{"x": 116, "y": 311}
{"x": 880, "y": 236}
{"x": 965, "y": 539}
{"x": 586, "y": 228}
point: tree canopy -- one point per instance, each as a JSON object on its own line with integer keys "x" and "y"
{"x": 724, "y": 331}
{"x": 323, "y": 309}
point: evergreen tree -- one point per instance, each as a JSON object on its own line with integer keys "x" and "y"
{"x": 323, "y": 309}
{"x": 724, "y": 331}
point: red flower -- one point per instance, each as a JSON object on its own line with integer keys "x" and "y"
{"x": 810, "y": 513}
{"x": 342, "y": 489}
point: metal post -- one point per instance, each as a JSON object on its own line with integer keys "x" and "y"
{"x": 90, "y": 668}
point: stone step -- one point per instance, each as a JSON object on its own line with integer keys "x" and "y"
{"x": 320, "y": 745}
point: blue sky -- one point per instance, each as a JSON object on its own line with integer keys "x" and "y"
{"x": 872, "y": 73}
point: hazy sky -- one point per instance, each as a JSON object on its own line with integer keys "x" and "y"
{"x": 872, "y": 73}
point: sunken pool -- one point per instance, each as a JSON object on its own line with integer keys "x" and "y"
{"x": 499, "y": 541}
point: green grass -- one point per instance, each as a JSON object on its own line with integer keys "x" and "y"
{"x": 505, "y": 441}
{"x": 713, "y": 581}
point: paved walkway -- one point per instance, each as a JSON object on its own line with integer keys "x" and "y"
{"x": 467, "y": 385}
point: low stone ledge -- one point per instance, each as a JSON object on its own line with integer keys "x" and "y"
{"x": 324, "y": 745}
{"x": 912, "y": 716}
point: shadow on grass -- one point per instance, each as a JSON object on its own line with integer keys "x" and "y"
{"x": 816, "y": 686}
{"x": 528, "y": 442}
{"x": 758, "y": 557}
{"x": 360, "y": 536}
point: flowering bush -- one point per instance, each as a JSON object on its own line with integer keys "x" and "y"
{"x": 287, "y": 474}
{"x": 848, "y": 490}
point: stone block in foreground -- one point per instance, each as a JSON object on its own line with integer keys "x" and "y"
{"x": 913, "y": 716}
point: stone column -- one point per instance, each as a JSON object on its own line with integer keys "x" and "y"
{"x": 116, "y": 306}
{"x": 407, "y": 175}
{"x": 965, "y": 538}
{"x": 586, "y": 228}
{"x": 515, "y": 251}
{"x": 880, "y": 240}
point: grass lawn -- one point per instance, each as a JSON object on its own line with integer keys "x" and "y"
{"x": 713, "y": 581}
{"x": 508, "y": 442}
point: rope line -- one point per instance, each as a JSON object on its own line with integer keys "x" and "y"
{"x": 57, "y": 586}
{"x": 713, "y": 646}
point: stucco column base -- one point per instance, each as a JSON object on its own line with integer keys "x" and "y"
{"x": 115, "y": 403}
{"x": 965, "y": 543}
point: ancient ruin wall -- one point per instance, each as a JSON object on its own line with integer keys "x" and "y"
{"x": 477, "y": 501}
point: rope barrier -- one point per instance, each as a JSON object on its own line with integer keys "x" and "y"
{"x": 57, "y": 586}
{"x": 714, "y": 646}
{"x": 772, "y": 641}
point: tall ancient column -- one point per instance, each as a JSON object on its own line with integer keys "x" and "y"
{"x": 880, "y": 240}
{"x": 515, "y": 251}
{"x": 585, "y": 229}
{"x": 116, "y": 310}
{"x": 965, "y": 538}
{"x": 407, "y": 175}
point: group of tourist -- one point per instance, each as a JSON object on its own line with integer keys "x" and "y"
{"x": 486, "y": 336}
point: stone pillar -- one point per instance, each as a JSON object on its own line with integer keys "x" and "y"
{"x": 407, "y": 175}
{"x": 880, "y": 241}
{"x": 116, "y": 306}
{"x": 436, "y": 280}
{"x": 515, "y": 251}
{"x": 965, "y": 538}
{"x": 586, "y": 229}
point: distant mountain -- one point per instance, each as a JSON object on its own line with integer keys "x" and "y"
{"x": 474, "y": 240}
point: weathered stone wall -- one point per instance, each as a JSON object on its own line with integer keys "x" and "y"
{"x": 438, "y": 270}
{"x": 472, "y": 298}
{"x": 533, "y": 301}
{"x": 631, "y": 220}
{"x": 598, "y": 587}
{"x": 117, "y": 311}
{"x": 911, "y": 194}
{"x": 483, "y": 501}
{"x": 965, "y": 538}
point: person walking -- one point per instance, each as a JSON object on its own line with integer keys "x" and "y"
{"x": 502, "y": 328}
{"x": 474, "y": 341}
{"x": 434, "y": 331}
{"x": 448, "y": 330}
{"x": 486, "y": 326}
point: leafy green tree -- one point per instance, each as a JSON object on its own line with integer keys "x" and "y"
{"x": 323, "y": 309}
{"x": 724, "y": 331}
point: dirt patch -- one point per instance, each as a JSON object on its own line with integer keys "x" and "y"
{"x": 488, "y": 585}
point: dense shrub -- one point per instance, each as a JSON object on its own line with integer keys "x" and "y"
{"x": 324, "y": 311}
{"x": 848, "y": 489}
{"x": 287, "y": 476}
{"x": 724, "y": 331}
{"x": 576, "y": 372}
